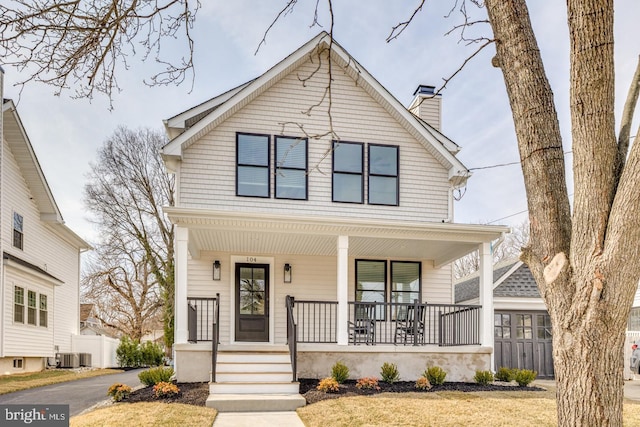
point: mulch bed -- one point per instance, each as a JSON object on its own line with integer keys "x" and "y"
{"x": 197, "y": 393}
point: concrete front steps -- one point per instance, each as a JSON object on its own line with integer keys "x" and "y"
{"x": 254, "y": 379}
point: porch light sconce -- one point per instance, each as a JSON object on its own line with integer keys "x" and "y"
{"x": 287, "y": 273}
{"x": 216, "y": 270}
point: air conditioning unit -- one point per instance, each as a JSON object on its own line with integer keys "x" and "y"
{"x": 85, "y": 359}
{"x": 68, "y": 360}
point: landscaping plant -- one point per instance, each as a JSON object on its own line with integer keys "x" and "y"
{"x": 165, "y": 389}
{"x": 368, "y": 383}
{"x": 483, "y": 377}
{"x": 328, "y": 385}
{"x": 119, "y": 391}
{"x": 389, "y": 373}
{"x": 423, "y": 383}
{"x": 505, "y": 374}
{"x": 524, "y": 377}
{"x": 155, "y": 375}
{"x": 435, "y": 375}
{"x": 340, "y": 372}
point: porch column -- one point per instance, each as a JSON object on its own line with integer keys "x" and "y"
{"x": 486, "y": 297}
{"x": 342, "y": 282}
{"x": 180, "y": 304}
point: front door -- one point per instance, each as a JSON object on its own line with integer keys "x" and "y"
{"x": 252, "y": 302}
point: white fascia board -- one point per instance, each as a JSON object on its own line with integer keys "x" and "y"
{"x": 507, "y": 274}
{"x": 54, "y": 214}
{"x": 174, "y": 147}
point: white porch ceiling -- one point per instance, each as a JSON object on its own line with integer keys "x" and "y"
{"x": 258, "y": 233}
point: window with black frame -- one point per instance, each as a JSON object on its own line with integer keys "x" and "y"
{"x": 252, "y": 165}
{"x": 383, "y": 175}
{"x": 371, "y": 283}
{"x": 18, "y": 231}
{"x": 291, "y": 168}
{"x": 348, "y": 165}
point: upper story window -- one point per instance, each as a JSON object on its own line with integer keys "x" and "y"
{"x": 252, "y": 161}
{"x": 383, "y": 175}
{"x": 348, "y": 165}
{"x": 291, "y": 168}
{"x": 18, "y": 230}
{"x": 18, "y": 304}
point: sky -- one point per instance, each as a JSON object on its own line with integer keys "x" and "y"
{"x": 66, "y": 133}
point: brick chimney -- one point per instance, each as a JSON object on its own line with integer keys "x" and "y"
{"x": 427, "y": 106}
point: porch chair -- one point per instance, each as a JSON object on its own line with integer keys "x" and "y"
{"x": 363, "y": 327}
{"x": 410, "y": 324}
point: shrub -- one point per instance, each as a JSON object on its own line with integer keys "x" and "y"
{"x": 423, "y": 383}
{"x": 483, "y": 377}
{"x": 165, "y": 389}
{"x": 151, "y": 354}
{"x": 368, "y": 383}
{"x": 155, "y": 375}
{"x": 340, "y": 372}
{"x": 119, "y": 391}
{"x": 505, "y": 374}
{"x": 128, "y": 353}
{"x": 435, "y": 375}
{"x": 524, "y": 377}
{"x": 389, "y": 373}
{"x": 328, "y": 385}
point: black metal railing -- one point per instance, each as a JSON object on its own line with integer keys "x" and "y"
{"x": 201, "y": 316}
{"x": 390, "y": 323}
{"x": 316, "y": 321}
{"x": 215, "y": 338}
{"x": 292, "y": 334}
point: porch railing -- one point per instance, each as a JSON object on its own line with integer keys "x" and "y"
{"x": 215, "y": 338}
{"x": 316, "y": 321}
{"x": 438, "y": 324}
{"x": 201, "y": 318}
{"x": 292, "y": 334}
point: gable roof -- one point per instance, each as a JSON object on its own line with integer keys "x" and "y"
{"x": 511, "y": 279}
{"x": 191, "y": 125}
{"x": 20, "y": 145}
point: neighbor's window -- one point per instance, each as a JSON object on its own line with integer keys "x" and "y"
{"x": 43, "y": 311}
{"x": 383, "y": 175}
{"x": 31, "y": 310}
{"x": 18, "y": 230}
{"x": 291, "y": 168}
{"x": 18, "y": 304}
{"x": 348, "y": 174}
{"x": 252, "y": 165}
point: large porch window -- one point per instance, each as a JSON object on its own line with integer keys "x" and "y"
{"x": 402, "y": 286}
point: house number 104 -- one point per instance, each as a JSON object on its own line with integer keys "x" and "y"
{"x": 252, "y": 259}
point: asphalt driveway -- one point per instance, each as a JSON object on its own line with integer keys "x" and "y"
{"x": 79, "y": 395}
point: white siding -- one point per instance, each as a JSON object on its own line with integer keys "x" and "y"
{"x": 207, "y": 172}
{"x": 44, "y": 248}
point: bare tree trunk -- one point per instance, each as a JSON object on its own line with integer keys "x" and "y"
{"x": 584, "y": 265}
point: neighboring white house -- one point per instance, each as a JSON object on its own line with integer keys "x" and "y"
{"x": 40, "y": 269}
{"x": 277, "y": 199}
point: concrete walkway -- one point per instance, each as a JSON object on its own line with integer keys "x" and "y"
{"x": 254, "y": 419}
{"x": 631, "y": 387}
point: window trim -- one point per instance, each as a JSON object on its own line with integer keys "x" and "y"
{"x": 18, "y": 363}
{"x": 267, "y": 167}
{"x": 305, "y": 169}
{"x": 370, "y": 174}
{"x": 16, "y": 232}
{"x": 33, "y": 307}
{"x": 333, "y": 171}
{"x": 16, "y": 304}
{"x": 43, "y": 313}
{"x": 381, "y": 314}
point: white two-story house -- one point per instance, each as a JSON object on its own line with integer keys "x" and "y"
{"x": 40, "y": 269}
{"x": 315, "y": 224}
